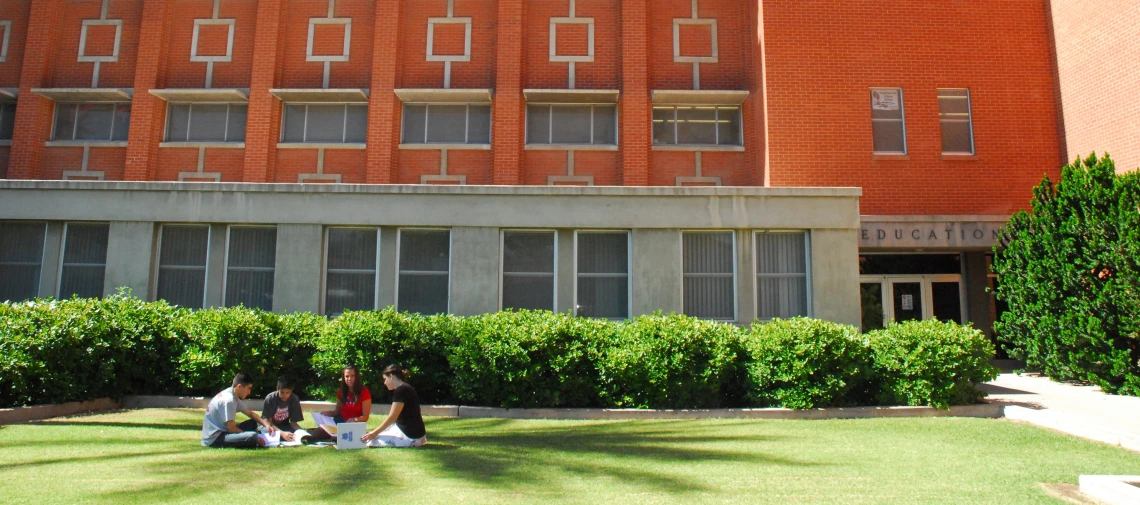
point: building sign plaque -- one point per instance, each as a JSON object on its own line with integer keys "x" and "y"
{"x": 949, "y": 232}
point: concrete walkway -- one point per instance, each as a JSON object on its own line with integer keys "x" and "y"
{"x": 1083, "y": 411}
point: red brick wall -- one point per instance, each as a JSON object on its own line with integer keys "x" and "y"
{"x": 823, "y": 55}
{"x": 17, "y": 12}
{"x": 67, "y": 72}
{"x": 181, "y": 72}
{"x": 1098, "y": 64}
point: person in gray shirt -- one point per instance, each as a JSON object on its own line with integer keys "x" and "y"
{"x": 219, "y": 427}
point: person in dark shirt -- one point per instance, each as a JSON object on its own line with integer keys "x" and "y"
{"x": 282, "y": 409}
{"x": 404, "y": 426}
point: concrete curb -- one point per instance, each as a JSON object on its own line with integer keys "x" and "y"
{"x": 38, "y": 412}
{"x": 1060, "y": 422}
{"x": 1112, "y": 489}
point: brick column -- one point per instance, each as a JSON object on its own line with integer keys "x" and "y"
{"x": 383, "y": 121}
{"x": 508, "y": 114}
{"x": 148, "y": 111}
{"x": 33, "y": 112}
{"x": 264, "y": 116}
{"x": 635, "y": 111}
{"x": 755, "y": 111}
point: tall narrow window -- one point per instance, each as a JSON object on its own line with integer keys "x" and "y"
{"x": 528, "y": 270}
{"x": 697, "y": 125}
{"x": 603, "y": 274}
{"x": 425, "y": 264}
{"x": 84, "y": 260}
{"x": 957, "y": 124}
{"x": 888, "y": 125}
{"x": 7, "y": 120}
{"x": 781, "y": 275}
{"x": 92, "y": 121}
{"x": 325, "y": 123}
{"x": 571, "y": 124}
{"x": 446, "y": 124}
{"x": 709, "y": 275}
{"x": 21, "y": 258}
{"x": 182, "y": 265}
{"x": 206, "y": 122}
{"x": 250, "y": 263}
{"x": 350, "y": 282}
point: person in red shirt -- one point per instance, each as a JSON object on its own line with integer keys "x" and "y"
{"x": 353, "y": 401}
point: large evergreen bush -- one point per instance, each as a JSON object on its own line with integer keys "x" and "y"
{"x": 1070, "y": 273}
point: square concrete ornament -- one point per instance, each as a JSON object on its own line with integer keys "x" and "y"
{"x": 199, "y": 40}
{"x": 432, "y": 56}
{"x": 578, "y": 58}
{"x": 710, "y": 26}
{"x": 315, "y": 24}
{"x": 7, "y": 27}
{"x": 98, "y": 25}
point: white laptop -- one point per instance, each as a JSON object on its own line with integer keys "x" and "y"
{"x": 348, "y": 435}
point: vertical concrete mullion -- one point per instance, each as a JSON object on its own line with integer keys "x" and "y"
{"x": 474, "y": 270}
{"x": 383, "y": 106}
{"x": 835, "y": 275}
{"x": 655, "y": 272}
{"x": 147, "y": 111}
{"x": 507, "y": 112}
{"x": 33, "y": 112}
{"x": 130, "y": 258}
{"x": 977, "y": 309}
{"x": 53, "y": 254}
{"x": 386, "y": 294}
{"x": 745, "y": 278}
{"x": 264, "y": 112}
{"x": 635, "y": 110}
{"x": 565, "y": 271}
{"x": 297, "y": 278}
{"x": 216, "y": 267}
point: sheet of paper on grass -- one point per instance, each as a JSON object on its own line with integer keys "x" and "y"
{"x": 325, "y": 422}
{"x": 275, "y": 439}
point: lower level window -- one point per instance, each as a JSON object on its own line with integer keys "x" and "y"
{"x": 424, "y": 277}
{"x": 697, "y": 125}
{"x": 603, "y": 274}
{"x": 781, "y": 275}
{"x": 182, "y": 265}
{"x": 84, "y": 260}
{"x": 447, "y": 124}
{"x": 325, "y": 123}
{"x": 92, "y": 121}
{"x": 21, "y": 258}
{"x": 709, "y": 275}
{"x": 350, "y": 274}
{"x": 250, "y": 265}
{"x": 528, "y": 270}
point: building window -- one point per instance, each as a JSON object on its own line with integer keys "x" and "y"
{"x": 7, "y": 120}
{"x": 425, "y": 264}
{"x": 888, "y": 125}
{"x": 447, "y": 124}
{"x": 957, "y": 124}
{"x": 206, "y": 122}
{"x": 697, "y": 125}
{"x": 528, "y": 270}
{"x": 709, "y": 274}
{"x": 84, "y": 260}
{"x": 249, "y": 266}
{"x": 325, "y": 123}
{"x": 602, "y": 266}
{"x": 182, "y": 265}
{"x": 571, "y": 124}
{"x": 350, "y": 272}
{"x": 21, "y": 257}
{"x": 92, "y": 121}
{"x": 781, "y": 275}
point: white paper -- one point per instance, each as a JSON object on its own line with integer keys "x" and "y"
{"x": 908, "y": 302}
{"x": 297, "y": 436}
{"x": 883, "y": 99}
{"x": 325, "y": 422}
{"x": 271, "y": 440}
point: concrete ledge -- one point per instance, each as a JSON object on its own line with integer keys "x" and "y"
{"x": 38, "y": 412}
{"x": 1078, "y": 428}
{"x": 1112, "y": 489}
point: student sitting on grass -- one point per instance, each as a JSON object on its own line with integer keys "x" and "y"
{"x": 353, "y": 402}
{"x": 404, "y": 426}
{"x": 219, "y": 428}
{"x": 283, "y": 409}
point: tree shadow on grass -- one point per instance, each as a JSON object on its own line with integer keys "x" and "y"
{"x": 116, "y": 424}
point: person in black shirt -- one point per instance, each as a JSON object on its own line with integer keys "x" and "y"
{"x": 404, "y": 426}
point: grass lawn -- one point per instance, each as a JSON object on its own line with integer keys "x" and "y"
{"x": 153, "y": 456}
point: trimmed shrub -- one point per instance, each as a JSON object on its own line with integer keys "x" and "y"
{"x": 931, "y": 363}
{"x": 672, "y": 361}
{"x": 372, "y": 340}
{"x": 526, "y": 359}
{"x": 222, "y": 342}
{"x": 806, "y": 363}
{"x": 1070, "y": 272}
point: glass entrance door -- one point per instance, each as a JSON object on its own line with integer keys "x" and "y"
{"x": 906, "y": 296}
{"x": 886, "y": 298}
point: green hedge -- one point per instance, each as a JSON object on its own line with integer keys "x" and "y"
{"x": 69, "y": 350}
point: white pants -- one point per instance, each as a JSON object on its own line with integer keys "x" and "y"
{"x": 393, "y": 437}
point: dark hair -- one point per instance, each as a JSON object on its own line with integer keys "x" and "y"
{"x": 357, "y": 387}
{"x": 396, "y": 371}
{"x": 242, "y": 378}
{"x": 284, "y": 382}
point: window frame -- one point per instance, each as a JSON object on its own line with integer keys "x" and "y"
{"x": 75, "y": 122}
{"x": 969, "y": 120}
{"x": 450, "y": 261}
{"x": 550, "y": 127}
{"x": 305, "y": 123}
{"x": 502, "y": 260}
{"x": 466, "y": 123}
{"x": 226, "y": 262}
{"x": 43, "y": 254}
{"x": 158, "y": 259}
{"x": 628, "y": 270}
{"x": 325, "y": 268}
{"x": 63, "y": 255}
{"x": 190, "y": 121}
{"x": 6, "y": 106}
{"x": 735, "y": 272}
{"x": 809, "y": 295}
{"x": 901, "y": 120}
{"x": 716, "y": 130}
